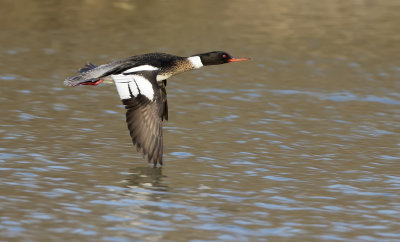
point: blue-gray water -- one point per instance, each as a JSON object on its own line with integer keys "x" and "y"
{"x": 299, "y": 144}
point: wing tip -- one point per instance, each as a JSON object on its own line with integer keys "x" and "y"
{"x": 155, "y": 163}
{"x": 154, "y": 159}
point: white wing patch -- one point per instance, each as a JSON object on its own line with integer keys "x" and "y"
{"x": 141, "y": 68}
{"x": 133, "y": 84}
{"x": 122, "y": 84}
{"x": 145, "y": 87}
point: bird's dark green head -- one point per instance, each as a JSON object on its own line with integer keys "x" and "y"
{"x": 217, "y": 58}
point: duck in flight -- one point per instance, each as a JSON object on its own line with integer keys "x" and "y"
{"x": 141, "y": 84}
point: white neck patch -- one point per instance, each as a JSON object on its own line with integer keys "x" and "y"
{"x": 196, "y": 61}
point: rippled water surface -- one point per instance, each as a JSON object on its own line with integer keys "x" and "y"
{"x": 299, "y": 144}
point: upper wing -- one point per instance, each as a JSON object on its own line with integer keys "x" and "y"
{"x": 142, "y": 98}
{"x": 92, "y": 73}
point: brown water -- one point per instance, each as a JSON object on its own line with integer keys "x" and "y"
{"x": 300, "y": 144}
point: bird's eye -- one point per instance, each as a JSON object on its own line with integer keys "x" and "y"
{"x": 224, "y": 56}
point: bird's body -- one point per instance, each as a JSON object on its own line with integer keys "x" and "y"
{"x": 141, "y": 84}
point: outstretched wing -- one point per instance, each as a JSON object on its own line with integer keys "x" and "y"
{"x": 142, "y": 98}
{"x": 92, "y": 73}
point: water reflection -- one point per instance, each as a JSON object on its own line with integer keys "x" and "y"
{"x": 146, "y": 177}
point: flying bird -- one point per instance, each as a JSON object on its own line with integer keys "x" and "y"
{"x": 141, "y": 84}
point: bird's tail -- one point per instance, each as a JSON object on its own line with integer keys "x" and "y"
{"x": 85, "y": 76}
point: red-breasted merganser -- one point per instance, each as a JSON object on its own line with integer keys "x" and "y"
{"x": 141, "y": 84}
